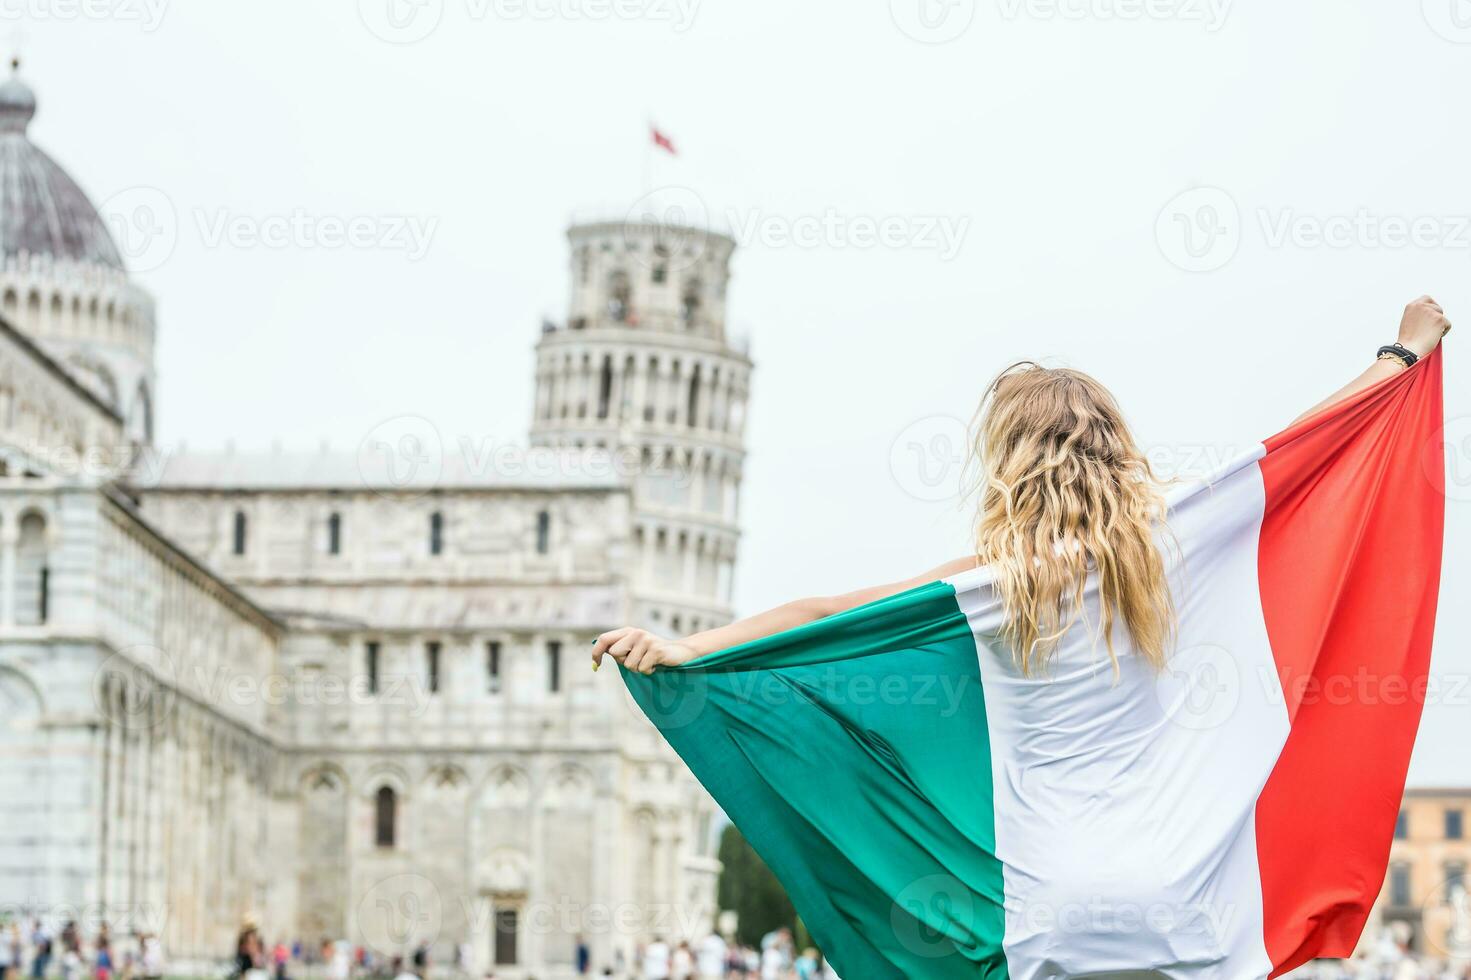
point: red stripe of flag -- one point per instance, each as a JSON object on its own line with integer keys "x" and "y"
{"x": 1349, "y": 567}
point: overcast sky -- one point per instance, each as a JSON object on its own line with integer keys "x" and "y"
{"x": 1205, "y": 204}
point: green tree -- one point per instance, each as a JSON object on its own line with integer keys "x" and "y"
{"x": 748, "y": 888}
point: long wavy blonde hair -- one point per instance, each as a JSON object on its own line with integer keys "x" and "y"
{"x": 1064, "y": 493}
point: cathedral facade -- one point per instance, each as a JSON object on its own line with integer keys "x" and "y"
{"x": 346, "y": 695}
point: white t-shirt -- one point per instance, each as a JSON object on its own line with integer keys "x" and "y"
{"x": 712, "y": 956}
{"x": 656, "y": 961}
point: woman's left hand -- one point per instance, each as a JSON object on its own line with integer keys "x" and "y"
{"x": 640, "y": 650}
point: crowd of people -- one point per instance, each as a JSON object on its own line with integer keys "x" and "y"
{"x": 713, "y": 958}
{"x": 30, "y": 948}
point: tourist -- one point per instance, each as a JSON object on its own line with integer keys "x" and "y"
{"x": 682, "y": 965}
{"x": 102, "y": 965}
{"x": 41, "y": 941}
{"x": 71, "y": 951}
{"x": 711, "y": 957}
{"x": 150, "y": 959}
{"x": 338, "y": 957}
{"x": 656, "y": 960}
{"x": 583, "y": 956}
{"x": 9, "y": 952}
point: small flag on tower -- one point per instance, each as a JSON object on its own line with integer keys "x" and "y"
{"x": 662, "y": 141}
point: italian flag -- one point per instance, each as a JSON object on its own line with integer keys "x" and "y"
{"x": 933, "y": 813}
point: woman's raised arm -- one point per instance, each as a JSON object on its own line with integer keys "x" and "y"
{"x": 1420, "y": 329}
{"x": 643, "y": 651}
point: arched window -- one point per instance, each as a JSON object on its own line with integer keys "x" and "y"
{"x": 238, "y": 544}
{"x": 32, "y": 572}
{"x": 692, "y": 419}
{"x": 436, "y": 533}
{"x": 619, "y": 294}
{"x": 689, "y": 304}
{"x": 385, "y": 816}
{"x": 605, "y": 387}
{"x": 543, "y": 532}
{"x": 334, "y": 534}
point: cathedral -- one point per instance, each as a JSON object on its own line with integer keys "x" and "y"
{"x": 346, "y": 695}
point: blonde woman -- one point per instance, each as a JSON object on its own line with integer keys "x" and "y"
{"x": 1132, "y": 733}
{"x": 1066, "y": 490}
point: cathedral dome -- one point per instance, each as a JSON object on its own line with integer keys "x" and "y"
{"x": 42, "y": 210}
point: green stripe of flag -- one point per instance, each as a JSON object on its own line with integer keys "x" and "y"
{"x": 853, "y": 755}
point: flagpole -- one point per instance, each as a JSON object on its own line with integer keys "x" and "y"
{"x": 648, "y": 156}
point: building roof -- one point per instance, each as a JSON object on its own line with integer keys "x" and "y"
{"x": 503, "y": 468}
{"x": 42, "y": 210}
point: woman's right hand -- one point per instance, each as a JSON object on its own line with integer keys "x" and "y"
{"x": 1422, "y": 326}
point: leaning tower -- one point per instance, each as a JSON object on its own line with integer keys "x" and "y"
{"x": 643, "y": 368}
